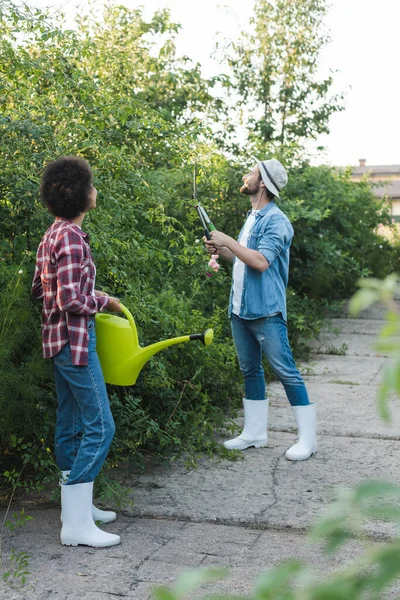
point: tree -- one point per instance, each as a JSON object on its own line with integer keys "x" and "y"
{"x": 275, "y": 75}
{"x": 143, "y": 62}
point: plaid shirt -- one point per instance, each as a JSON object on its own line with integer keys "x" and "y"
{"x": 64, "y": 279}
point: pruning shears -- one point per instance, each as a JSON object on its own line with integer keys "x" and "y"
{"x": 206, "y": 222}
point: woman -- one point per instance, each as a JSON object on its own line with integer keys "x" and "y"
{"x": 64, "y": 279}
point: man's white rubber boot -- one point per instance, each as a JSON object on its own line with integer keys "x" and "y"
{"x": 255, "y": 426}
{"x": 306, "y": 417}
{"x": 105, "y": 516}
{"x": 78, "y": 526}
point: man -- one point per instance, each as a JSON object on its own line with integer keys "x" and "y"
{"x": 257, "y": 309}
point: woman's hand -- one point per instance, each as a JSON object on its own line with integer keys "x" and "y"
{"x": 114, "y": 305}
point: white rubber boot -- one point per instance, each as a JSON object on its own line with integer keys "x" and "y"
{"x": 105, "y": 516}
{"x": 306, "y": 445}
{"x": 78, "y": 526}
{"x": 255, "y": 426}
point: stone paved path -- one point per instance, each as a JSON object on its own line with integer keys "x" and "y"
{"x": 247, "y": 515}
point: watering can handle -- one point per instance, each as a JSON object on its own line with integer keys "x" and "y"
{"x": 128, "y": 315}
{"x": 132, "y": 323}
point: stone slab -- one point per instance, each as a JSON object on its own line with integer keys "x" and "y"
{"x": 263, "y": 488}
{"x": 353, "y": 370}
{"x": 361, "y": 326}
{"x": 172, "y": 547}
{"x": 342, "y": 409}
{"x": 375, "y": 312}
{"x": 349, "y": 344}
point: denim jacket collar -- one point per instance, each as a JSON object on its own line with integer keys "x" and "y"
{"x": 264, "y": 210}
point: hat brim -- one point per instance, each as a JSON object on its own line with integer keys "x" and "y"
{"x": 268, "y": 183}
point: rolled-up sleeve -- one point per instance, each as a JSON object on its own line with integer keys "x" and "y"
{"x": 276, "y": 238}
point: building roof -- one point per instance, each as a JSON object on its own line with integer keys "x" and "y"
{"x": 391, "y": 189}
{"x": 377, "y": 170}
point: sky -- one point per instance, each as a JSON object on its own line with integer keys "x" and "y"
{"x": 364, "y": 50}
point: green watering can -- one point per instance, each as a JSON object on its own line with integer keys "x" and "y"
{"x": 121, "y": 356}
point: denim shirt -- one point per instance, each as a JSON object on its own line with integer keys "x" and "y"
{"x": 265, "y": 293}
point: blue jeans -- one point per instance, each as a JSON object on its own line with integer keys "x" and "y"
{"x": 84, "y": 425}
{"x": 267, "y": 335}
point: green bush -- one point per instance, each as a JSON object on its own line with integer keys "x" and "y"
{"x": 27, "y": 401}
{"x": 75, "y": 92}
{"x": 336, "y": 240}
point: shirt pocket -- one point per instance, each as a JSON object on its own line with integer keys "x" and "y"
{"x": 254, "y": 239}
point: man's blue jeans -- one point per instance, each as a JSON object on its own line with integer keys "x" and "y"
{"x": 84, "y": 426}
{"x": 267, "y": 335}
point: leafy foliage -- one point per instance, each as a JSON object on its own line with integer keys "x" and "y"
{"x": 275, "y": 76}
{"x": 66, "y": 92}
{"x": 373, "y": 290}
{"x": 114, "y": 91}
{"x": 336, "y": 240}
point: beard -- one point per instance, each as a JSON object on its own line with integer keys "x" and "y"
{"x": 248, "y": 190}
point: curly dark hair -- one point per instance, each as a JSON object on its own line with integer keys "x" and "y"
{"x": 65, "y": 186}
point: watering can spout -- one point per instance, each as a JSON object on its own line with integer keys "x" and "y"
{"x": 120, "y": 354}
{"x": 205, "y": 338}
